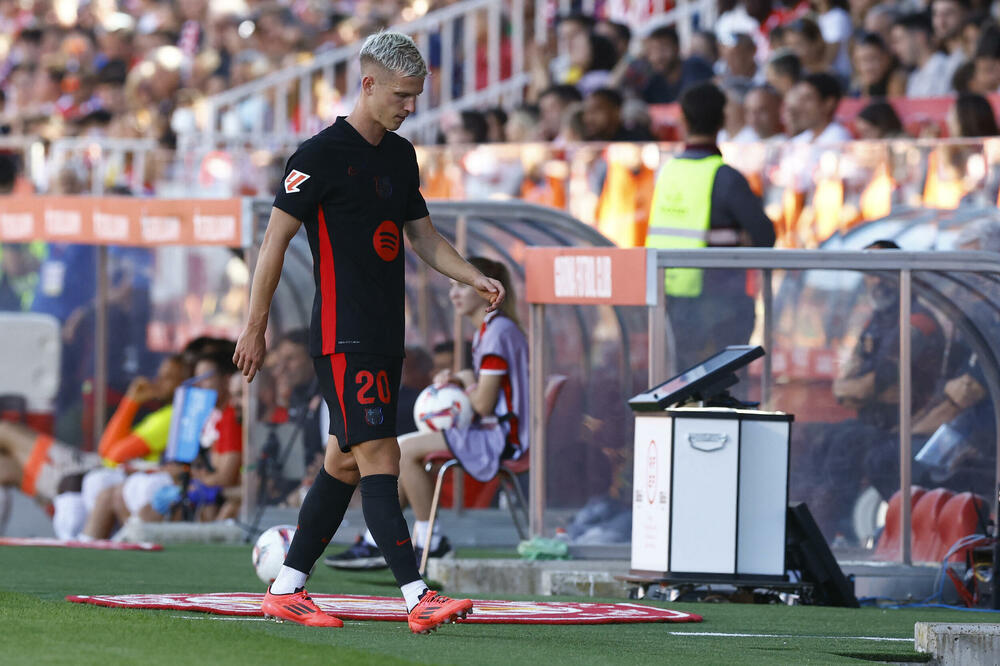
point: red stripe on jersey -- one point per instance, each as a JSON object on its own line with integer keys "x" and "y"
{"x": 328, "y": 288}
{"x": 338, "y": 366}
{"x": 493, "y": 362}
{"x": 514, "y": 437}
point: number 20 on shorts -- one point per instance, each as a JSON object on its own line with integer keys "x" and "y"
{"x": 365, "y": 379}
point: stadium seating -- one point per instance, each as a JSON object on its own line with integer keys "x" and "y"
{"x": 939, "y": 520}
{"x": 889, "y": 541}
{"x": 964, "y": 514}
{"x": 926, "y": 521}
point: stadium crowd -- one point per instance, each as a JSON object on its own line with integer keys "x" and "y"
{"x": 139, "y": 68}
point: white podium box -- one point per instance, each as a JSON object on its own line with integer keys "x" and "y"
{"x": 710, "y": 492}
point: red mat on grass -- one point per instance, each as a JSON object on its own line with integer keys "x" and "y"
{"x": 100, "y": 544}
{"x": 351, "y": 607}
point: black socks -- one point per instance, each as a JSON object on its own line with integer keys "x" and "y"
{"x": 380, "y": 503}
{"x": 321, "y": 513}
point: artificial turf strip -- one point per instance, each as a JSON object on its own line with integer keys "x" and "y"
{"x": 39, "y": 627}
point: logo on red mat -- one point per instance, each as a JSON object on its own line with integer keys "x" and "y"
{"x": 386, "y": 241}
{"x": 293, "y": 180}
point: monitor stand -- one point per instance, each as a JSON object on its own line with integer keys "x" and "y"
{"x": 717, "y": 395}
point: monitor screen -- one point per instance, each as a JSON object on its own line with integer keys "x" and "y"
{"x": 691, "y": 383}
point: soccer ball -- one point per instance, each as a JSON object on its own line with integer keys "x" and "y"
{"x": 441, "y": 407}
{"x": 270, "y": 550}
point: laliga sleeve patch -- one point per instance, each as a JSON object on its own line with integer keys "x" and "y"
{"x": 293, "y": 180}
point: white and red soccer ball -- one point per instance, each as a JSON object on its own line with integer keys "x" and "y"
{"x": 441, "y": 407}
{"x": 270, "y": 550}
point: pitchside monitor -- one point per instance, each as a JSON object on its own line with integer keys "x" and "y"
{"x": 702, "y": 382}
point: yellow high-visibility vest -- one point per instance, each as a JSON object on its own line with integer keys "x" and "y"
{"x": 680, "y": 216}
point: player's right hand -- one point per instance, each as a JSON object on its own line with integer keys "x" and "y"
{"x": 250, "y": 349}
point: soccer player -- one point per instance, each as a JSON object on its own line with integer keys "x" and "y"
{"x": 355, "y": 187}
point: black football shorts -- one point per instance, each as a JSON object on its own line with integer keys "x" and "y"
{"x": 361, "y": 391}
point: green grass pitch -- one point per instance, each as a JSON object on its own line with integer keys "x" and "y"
{"x": 39, "y": 627}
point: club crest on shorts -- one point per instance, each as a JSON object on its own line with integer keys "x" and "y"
{"x": 374, "y": 416}
{"x": 293, "y": 180}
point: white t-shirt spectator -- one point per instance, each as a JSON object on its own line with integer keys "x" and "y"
{"x": 745, "y": 135}
{"x": 931, "y": 80}
{"x": 832, "y": 134}
{"x": 734, "y": 22}
{"x": 836, "y": 28}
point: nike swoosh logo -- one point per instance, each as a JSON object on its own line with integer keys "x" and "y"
{"x": 401, "y": 543}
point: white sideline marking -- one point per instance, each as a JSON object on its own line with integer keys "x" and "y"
{"x": 231, "y": 618}
{"x": 849, "y": 638}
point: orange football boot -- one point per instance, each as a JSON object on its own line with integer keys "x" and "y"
{"x": 297, "y": 607}
{"x": 435, "y": 609}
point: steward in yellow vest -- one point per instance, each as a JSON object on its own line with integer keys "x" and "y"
{"x": 700, "y": 202}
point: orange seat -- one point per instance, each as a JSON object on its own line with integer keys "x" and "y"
{"x": 926, "y": 521}
{"x": 964, "y": 514}
{"x": 889, "y": 542}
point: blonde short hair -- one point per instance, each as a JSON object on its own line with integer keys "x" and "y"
{"x": 395, "y": 52}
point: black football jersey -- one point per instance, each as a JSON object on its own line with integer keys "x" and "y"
{"x": 354, "y": 199}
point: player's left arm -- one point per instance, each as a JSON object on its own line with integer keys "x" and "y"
{"x": 439, "y": 254}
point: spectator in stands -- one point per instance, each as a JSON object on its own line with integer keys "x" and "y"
{"x": 569, "y": 31}
{"x": 468, "y": 129}
{"x": 986, "y": 78}
{"x": 783, "y": 71}
{"x": 595, "y": 56}
{"x": 835, "y": 25}
{"x": 740, "y": 59}
{"x": 734, "y": 127}
{"x": 661, "y": 74}
{"x": 572, "y": 130}
{"x": 696, "y": 193}
{"x": 975, "y": 24}
{"x": 948, "y": 20}
{"x": 619, "y": 34}
{"x": 736, "y": 18}
{"x": 496, "y": 123}
{"x": 880, "y": 19}
{"x": 913, "y": 44}
{"x": 805, "y": 40}
{"x": 602, "y": 117}
{"x": 552, "y": 105}
{"x": 704, "y": 45}
{"x": 971, "y": 116}
{"x": 876, "y": 74}
{"x": 816, "y": 100}
{"x": 523, "y": 125}
{"x": 878, "y": 120}
{"x": 762, "y": 109}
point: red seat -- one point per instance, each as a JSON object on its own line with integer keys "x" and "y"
{"x": 889, "y": 542}
{"x": 926, "y": 521}
{"x": 964, "y": 514}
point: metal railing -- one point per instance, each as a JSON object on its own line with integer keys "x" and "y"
{"x": 904, "y": 265}
{"x": 106, "y": 161}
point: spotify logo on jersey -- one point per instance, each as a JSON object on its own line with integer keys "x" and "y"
{"x": 386, "y": 241}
